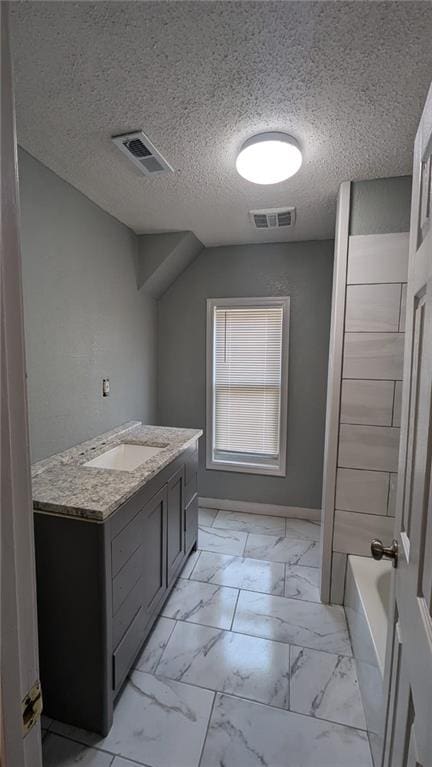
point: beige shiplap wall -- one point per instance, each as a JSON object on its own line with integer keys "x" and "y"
{"x": 371, "y": 386}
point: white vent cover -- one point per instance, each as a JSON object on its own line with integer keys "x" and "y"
{"x": 139, "y": 149}
{"x": 273, "y": 218}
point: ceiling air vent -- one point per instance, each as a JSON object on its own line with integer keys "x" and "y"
{"x": 273, "y": 218}
{"x": 142, "y": 153}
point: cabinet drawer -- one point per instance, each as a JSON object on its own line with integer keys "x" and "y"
{"x": 191, "y": 523}
{"x": 126, "y": 612}
{"x": 127, "y": 649}
{"x": 126, "y": 579}
{"x": 126, "y": 542}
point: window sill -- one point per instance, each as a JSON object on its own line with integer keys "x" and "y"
{"x": 246, "y": 468}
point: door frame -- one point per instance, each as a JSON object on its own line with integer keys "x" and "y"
{"x": 397, "y": 688}
{"x": 18, "y": 618}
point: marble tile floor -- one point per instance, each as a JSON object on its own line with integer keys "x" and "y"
{"x": 245, "y": 668}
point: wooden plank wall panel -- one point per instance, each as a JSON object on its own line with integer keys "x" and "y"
{"x": 367, "y": 402}
{"x": 362, "y": 491}
{"x": 368, "y": 447}
{"x": 378, "y": 258}
{"x": 353, "y": 532}
{"x": 376, "y": 356}
{"x": 370, "y": 397}
{"x": 373, "y": 308}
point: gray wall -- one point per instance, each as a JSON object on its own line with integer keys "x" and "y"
{"x": 84, "y": 316}
{"x": 301, "y": 270}
{"x": 380, "y": 205}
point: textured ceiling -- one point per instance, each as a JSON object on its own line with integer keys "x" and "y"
{"x": 347, "y": 79}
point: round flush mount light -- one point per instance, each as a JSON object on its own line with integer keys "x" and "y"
{"x": 269, "y": 158}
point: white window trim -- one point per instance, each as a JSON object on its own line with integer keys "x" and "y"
{"x": 278, "y": 470}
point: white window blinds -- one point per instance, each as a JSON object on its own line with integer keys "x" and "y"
{"x": 247, "y": 380}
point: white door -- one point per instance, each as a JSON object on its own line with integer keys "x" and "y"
{"x": 20, "y": 745}
{"x": 408, "y": 741}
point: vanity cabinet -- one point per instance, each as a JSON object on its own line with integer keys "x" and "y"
{"x": 101, "y": 586}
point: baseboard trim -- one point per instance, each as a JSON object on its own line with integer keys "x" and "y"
{"x": 298, "y": 512}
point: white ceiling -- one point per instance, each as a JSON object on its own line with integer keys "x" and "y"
{"x": 347, "y": 79}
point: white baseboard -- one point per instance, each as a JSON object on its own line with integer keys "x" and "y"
{"x": 298, "y": 512}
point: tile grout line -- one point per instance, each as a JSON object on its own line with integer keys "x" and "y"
{"x": 258, "y": 531}
{"x": 249, "y": 591}
{"x": 242, "y": 588}
{"x": 197, "y": 686}
{"x": 248, "y": 700}
{"x": 100, "y": 750}
{"x": 393, "y": 404}
{"x": 142, "y": 671}
{"x": 280, "y": 641}
{"x": 197, "y": 560}
{"x": 83, "y": 743}
{"x": 260, "y": 702}
{"x": 279, "y": 561}
{"x": 288, "y": 645}
{"x": 289, "y": 677}
{"x": 154, "y": 673}
{"x": 290, "y": 711}
{"x": 234, "y": 612}
{"x": 215, "y": 693}
{"x": 310, "y": 541}
{"x": 400, "y": 306}
{"x": 388, "y": 494}
{"x": 47, "y": 729}
{"x": 245, "y": 546}
{"x": 259, "y": 591}
{"x": 239, "y": 633}
{"x": 257, "y": 636}
{"x": 207, "y": 729}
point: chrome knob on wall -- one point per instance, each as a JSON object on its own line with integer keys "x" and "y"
{"x": 379, "y": 551}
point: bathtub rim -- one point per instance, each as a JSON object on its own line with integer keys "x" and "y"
{"x": 364, "y": 572}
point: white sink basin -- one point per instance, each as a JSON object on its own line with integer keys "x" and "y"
{"x": 124, "y": 457}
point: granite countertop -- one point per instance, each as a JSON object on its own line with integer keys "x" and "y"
{"x": 63, "y": 485}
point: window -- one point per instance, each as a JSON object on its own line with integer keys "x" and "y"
{"x": 247, "y": 380}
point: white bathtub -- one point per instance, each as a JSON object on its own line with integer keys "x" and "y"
{"x": 367, "y": 593}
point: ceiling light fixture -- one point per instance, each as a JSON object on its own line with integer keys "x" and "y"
{"x": 269, "y": 158}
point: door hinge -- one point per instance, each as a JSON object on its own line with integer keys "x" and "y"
{"x": 32, "y": 707}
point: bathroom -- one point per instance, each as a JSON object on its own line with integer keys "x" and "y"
{"x": 216, "y": 519}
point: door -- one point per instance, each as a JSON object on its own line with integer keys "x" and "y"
{"x": 408, "y": 739}
{"x": 19, "y": 653}
{"x": 175, "y": 527}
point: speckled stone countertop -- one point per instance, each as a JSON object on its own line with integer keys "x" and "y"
{"x": 63, "y": 485}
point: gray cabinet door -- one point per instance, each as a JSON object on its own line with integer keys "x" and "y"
{"x": 154, "y": 551}
{"x": 175, "y": 526}
{"x": 141, "y": 583}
